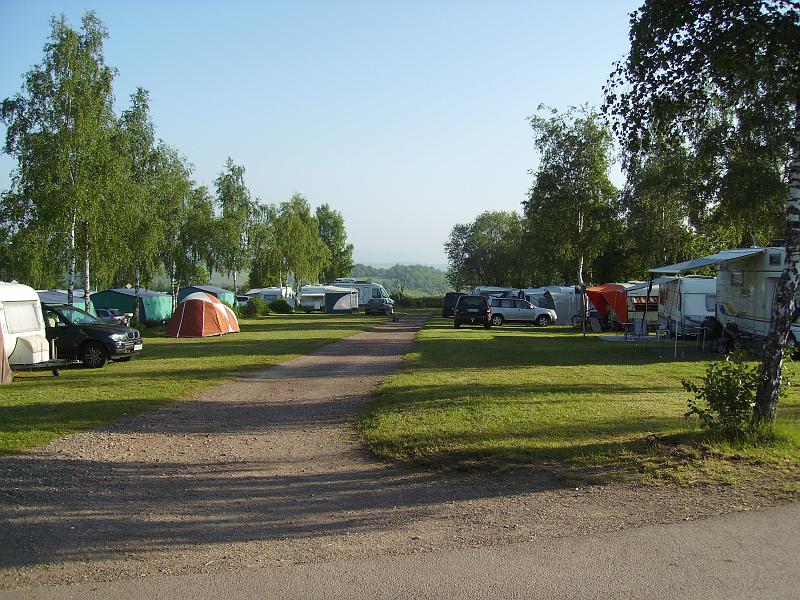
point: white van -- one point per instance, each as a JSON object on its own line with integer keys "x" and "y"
{"x": 25, "y": 341}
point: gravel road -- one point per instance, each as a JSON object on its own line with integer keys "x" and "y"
{"x": 267, "y": 469}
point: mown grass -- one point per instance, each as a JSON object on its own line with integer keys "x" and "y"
{"x": 38, "y": 407}
{"x": 587, "y": 409}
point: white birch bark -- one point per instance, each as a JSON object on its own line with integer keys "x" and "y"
{"x": 768, "y": 391}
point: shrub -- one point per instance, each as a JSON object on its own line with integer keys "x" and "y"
{"x": 725, "y": 398}
{"x": 280, "y": 306}
{"x": 256, "y": 308}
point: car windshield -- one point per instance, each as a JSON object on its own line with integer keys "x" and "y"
{"x": 76, "y": 316}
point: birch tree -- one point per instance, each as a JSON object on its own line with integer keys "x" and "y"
{"x": 333, "y": 233}
{"x": 572, "y": 198}
{"x": 233, "y": 226}
{"x": 686, "y": 55}
{"x": 61, "y": 131}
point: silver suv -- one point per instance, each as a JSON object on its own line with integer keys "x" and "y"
{"x": 522, "y": 311}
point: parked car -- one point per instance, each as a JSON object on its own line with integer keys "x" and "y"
{"x": 520, "y": 311}
{"x": 449, "y": 303}
{"x": 379, "y": 306}
{"x": 472, "y": 309}
{"x": 111, "y": 315}
{"x": 83, "y": 337}
{"x": 241, "y": 301}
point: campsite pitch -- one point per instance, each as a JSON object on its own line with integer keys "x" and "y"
{"x": 267, "y": 469}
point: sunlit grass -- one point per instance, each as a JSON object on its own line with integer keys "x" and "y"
{"x": 38, "y": 407}
{"x": 548, "y": 398}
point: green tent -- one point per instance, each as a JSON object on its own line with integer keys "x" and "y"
{"x": 153, "y": 306}
{"x": 222, "y": 295}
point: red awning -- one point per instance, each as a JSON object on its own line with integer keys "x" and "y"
{"x": 610, "y": 300}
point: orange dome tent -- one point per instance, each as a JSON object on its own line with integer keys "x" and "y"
{"x": 202, "y": 315}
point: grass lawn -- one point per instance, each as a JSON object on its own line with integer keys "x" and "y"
{"x": 517, "y": 396}
{"x": 38, "y": 407}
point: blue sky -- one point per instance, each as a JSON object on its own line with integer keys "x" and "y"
{"x": 408, "y": 117}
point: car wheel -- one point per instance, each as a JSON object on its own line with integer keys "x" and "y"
{"x": 94, "y": 355}
{"x": 543, "y": 320}
{"x": 497, "y": 320}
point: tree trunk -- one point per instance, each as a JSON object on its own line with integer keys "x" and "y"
{"x": 72, "y": 261}
{"x": 580, "y": 241}
{"x": 86, "y": 287}
{"x": 136, "y": 311}
{"x": 768, "y": 390}
{"x": 173, "y": 286}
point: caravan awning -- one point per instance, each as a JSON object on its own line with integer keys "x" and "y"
{"x": 706, "y": 261}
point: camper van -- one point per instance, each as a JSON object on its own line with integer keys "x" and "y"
{"x": 24, "y": 336}
{"x": 270, "y": 294}
{"x": 746, "y": 292}
{"x": 336, "y": 299}
{"x": 685, "y": 302}
{"x": 366, "y": 289}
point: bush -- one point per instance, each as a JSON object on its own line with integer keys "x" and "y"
{"x": 256, "y": 308}
{"x": 416, "y": 301}
{"x": 725, "y": 398}
{"x": 280, "y": 306}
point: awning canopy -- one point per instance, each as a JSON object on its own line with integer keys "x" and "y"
{"x": 707, "y": 261}
{"x": 610, "y": 298}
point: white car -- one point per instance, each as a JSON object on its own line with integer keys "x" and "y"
{"x": 521, "y": 311}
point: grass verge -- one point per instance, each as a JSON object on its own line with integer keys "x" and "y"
{"x": 585, "y": 409}
{"x": 38, "y": 407}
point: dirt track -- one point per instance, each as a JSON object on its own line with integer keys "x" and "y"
{"x": 267, "y": 469}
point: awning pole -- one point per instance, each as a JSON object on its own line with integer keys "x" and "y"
{"x": 646, "y": 303}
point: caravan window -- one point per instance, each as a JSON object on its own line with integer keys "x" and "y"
{"x": 711, "y": 302}
{"x": 22, "y": 316}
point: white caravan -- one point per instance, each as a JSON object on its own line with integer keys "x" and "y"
{"x": 746, "y": 293}
{"x": 365, "y": 288}
{"x": 25, "y": 341}
{"x": 270, "y": 294}
{"x": 745, "y": 284}
{"x": 312, "y": 298}
{"x": 685, "y": 302}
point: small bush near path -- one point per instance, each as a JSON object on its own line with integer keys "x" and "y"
{"x": 523, "y": 397}
{"x": 38, "y": 407}
{"x": 280, "y": 306}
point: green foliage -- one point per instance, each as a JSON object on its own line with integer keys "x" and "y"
{"x": 69, "y": 175}
{"x": 725, "y": 399}
{"x": 573, "y": 206}
{"x": 332, "y": 232}
{"x": 280, "y": 306}
{"x": 232, "y": 228}
{"x": 401, "y": 300}
{"x": 413, "y": 280}
{"x": 488, "y": 251}
{"x": 257, "y": 307}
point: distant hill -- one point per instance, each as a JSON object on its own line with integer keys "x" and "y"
{"x": 415, "y": 280}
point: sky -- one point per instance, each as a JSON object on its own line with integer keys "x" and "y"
{"x": 407, "y": 117}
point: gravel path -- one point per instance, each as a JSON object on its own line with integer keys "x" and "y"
{"x": 267, "y": 469}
